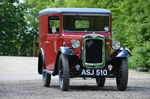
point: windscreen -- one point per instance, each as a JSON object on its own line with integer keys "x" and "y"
{"x": 86, "y": 23}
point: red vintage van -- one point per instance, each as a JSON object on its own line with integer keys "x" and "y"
{"x": 77, "y": 42}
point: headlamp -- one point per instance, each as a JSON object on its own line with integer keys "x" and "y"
{"x": 115, "y": 45}
{"x": 75, "y": 43}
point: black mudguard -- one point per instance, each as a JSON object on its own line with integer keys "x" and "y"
{"x": 66, "y": 51}
{"x": 40, "y": 60}
{"x": 117, "y": 56}
{"x": 120, "y": 53}
{"x": 72, "y": 57}
{"x": 123, "y": 53}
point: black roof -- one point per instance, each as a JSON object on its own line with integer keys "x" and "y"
{"x": 75, "y": 10}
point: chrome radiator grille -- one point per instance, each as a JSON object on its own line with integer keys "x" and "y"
{"x": 93, "y": 51}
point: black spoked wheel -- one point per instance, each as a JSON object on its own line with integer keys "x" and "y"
{"x": 63, "y": 72}
{"x": 122, "y": 75}
{"x": 100, "y": 81}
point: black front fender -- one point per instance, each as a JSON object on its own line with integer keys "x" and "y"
{"x": 117, "y": 56}
{"x": 124, "y": 53}
{"x": 121, "y": 53}
{"x": 40, "y": 60}
{"x": 66, "y": 51}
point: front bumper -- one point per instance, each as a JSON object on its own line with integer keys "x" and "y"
{"x": 92, "y": 72}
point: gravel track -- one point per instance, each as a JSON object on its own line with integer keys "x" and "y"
{"x": 19, "y": 80}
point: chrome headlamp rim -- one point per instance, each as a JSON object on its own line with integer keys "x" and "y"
{"x": 115, "y": 44}
{"x": 75, "y": 43}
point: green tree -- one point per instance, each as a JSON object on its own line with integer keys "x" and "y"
{"x": 17, "y": 37}
{"x": 12, "y": 26}
{"x": 132, "y": 22}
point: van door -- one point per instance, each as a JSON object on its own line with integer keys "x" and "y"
{"x": 52, "y": 43}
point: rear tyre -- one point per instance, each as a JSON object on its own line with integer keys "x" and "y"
{"x": 100, "y": 81}
{"x": 63, "y": 72}
{"x": 122, "y": 75}
{"x": 46, "y": 79}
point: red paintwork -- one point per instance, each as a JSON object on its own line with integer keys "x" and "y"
{"x": 51, "y": 43}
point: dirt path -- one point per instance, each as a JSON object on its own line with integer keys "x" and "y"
{"x": 19, "y": 80}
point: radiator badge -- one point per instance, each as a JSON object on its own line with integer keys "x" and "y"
{"x": 94, "y": 35}
{"x": 89, "y": 43}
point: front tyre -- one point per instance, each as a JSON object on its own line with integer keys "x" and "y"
{"x": 122, "y": 75}
{"x": 100, "y": 81}
{"x": 63, "y": 72}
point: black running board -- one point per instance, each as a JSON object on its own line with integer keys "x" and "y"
{"x": 48, "y": 71}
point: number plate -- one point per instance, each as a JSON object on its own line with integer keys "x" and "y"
{"x": 94, "y": 72}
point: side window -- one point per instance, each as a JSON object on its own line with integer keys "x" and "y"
{"x": 53, "y": 26}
